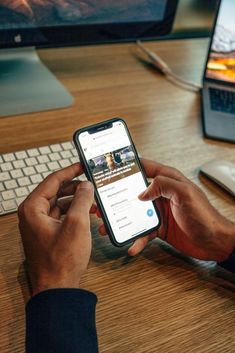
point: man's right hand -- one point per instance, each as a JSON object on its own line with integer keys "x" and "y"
{"x": 189, "y": 222}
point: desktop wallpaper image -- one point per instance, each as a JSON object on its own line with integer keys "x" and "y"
{"x": 33, "y": 13}
{"x": 221, "y": 64}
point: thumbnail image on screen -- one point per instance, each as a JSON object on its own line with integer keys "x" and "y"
{"x": 113, "y": 166}
{"x": 221, "y": 63}
{"x": 48, "y": 13}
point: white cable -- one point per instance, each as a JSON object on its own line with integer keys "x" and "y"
{"x": 185, "y": 82}
{"x": 166, "y": 70}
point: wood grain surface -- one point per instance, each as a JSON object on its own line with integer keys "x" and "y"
{"x": 159, "y": 301}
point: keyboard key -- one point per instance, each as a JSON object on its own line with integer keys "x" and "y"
{"x": 1, "y": 209}
{"x": 31, "y": 161}
{"x": 17, "y": 173}
{"x": 29, "y": 171}
{"x": 32, "y": 187}
{"x": 6, "y": 167}
{"x": 19, "y": 200}
{"x": 10, "y": 184}
{"x": 82, "y": 177}
{"x": 19, "y": 164}
{"x": 67, "y": 145}
{"x": 20, "y": 192}
{"x": 45, "y": 150}
{"x": 74, "y": 160}
{"x": 1, "y": 160}
{"x": 33, "y": 152}
{"x": 9, "y": 157}
{"x": 24, "y": 181}
{"x": 66, "y": 154}
{"x": 9, "y": 205}
{"x": 43, "y": 159}
{"x": 64, "y": 163}
{"x": 4, "y": 176}
{"x": 75, "y": 153}
{"x": 36, "y": 179}
{"x": 222, "y": 100}
{"x": 54, "y": 156}
{"x": 2, "y": 187}
{"x": 46, "y": 174}
{"x": 56, "y": 148}
{"x": 8, "y": 195}
{"x": 41, "y": 168}
{"x": 53, "y": 166}
{"x": 21, "y": 155}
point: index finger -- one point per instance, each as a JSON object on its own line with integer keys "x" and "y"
{"x": 51, "y": 185}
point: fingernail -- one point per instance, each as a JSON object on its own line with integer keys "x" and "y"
{"x": 86, "y": 185}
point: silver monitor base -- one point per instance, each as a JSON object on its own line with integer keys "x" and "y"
{"x": 27, "y": 86}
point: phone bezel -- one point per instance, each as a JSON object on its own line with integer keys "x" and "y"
{"x": 104, "y": 125}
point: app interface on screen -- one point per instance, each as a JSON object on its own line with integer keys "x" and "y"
{"x": 221, "y": 63}
{"x": 119, "y": 181}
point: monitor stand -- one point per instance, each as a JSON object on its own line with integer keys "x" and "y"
{"x": 27, "y": 86}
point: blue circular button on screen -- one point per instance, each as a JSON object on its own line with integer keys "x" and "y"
{"x": 150, "y": 212}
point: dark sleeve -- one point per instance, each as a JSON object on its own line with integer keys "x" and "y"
{"x": 61, "y": 321}
{"x": 229, "y": 264}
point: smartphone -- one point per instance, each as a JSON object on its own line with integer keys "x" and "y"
{"x": 111, "y": 163}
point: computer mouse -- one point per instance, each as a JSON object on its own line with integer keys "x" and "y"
{"x": 221, "y": 172}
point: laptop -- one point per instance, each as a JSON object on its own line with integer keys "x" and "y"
{"x": 218, "y": 92}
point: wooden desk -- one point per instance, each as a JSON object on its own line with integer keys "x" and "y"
{"x": 158, "y": 302}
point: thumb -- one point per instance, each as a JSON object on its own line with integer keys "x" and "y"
{"x": 78, "y": 213}
{"x": 162, "y": 186}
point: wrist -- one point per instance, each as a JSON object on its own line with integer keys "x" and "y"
{"x": 46, "y": 283}
{"x": 225, "y": 239}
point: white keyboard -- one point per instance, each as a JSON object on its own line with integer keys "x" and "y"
{"x": 22, "y": 171}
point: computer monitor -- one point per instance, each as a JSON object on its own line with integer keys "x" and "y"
{"x": 26, "y": 85}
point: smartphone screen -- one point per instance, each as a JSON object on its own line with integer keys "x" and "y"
{"x": 115, "y": 170}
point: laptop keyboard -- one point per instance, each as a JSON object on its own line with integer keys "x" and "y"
{"x": 22, "y": 171}
{"x": 222, "y": 100}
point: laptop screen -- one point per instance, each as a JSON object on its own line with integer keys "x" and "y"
{"x": 221, "y": 62}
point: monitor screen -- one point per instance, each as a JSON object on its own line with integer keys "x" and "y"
{"x": 29, "y": 24}
{"x": 79, "y": 22}
{"x": 48, "y": 13}
{"x": 221, "y": 62}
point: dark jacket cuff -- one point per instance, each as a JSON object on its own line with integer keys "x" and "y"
{"x": 229, "y": 264}
{"x": 61, "y": 320}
